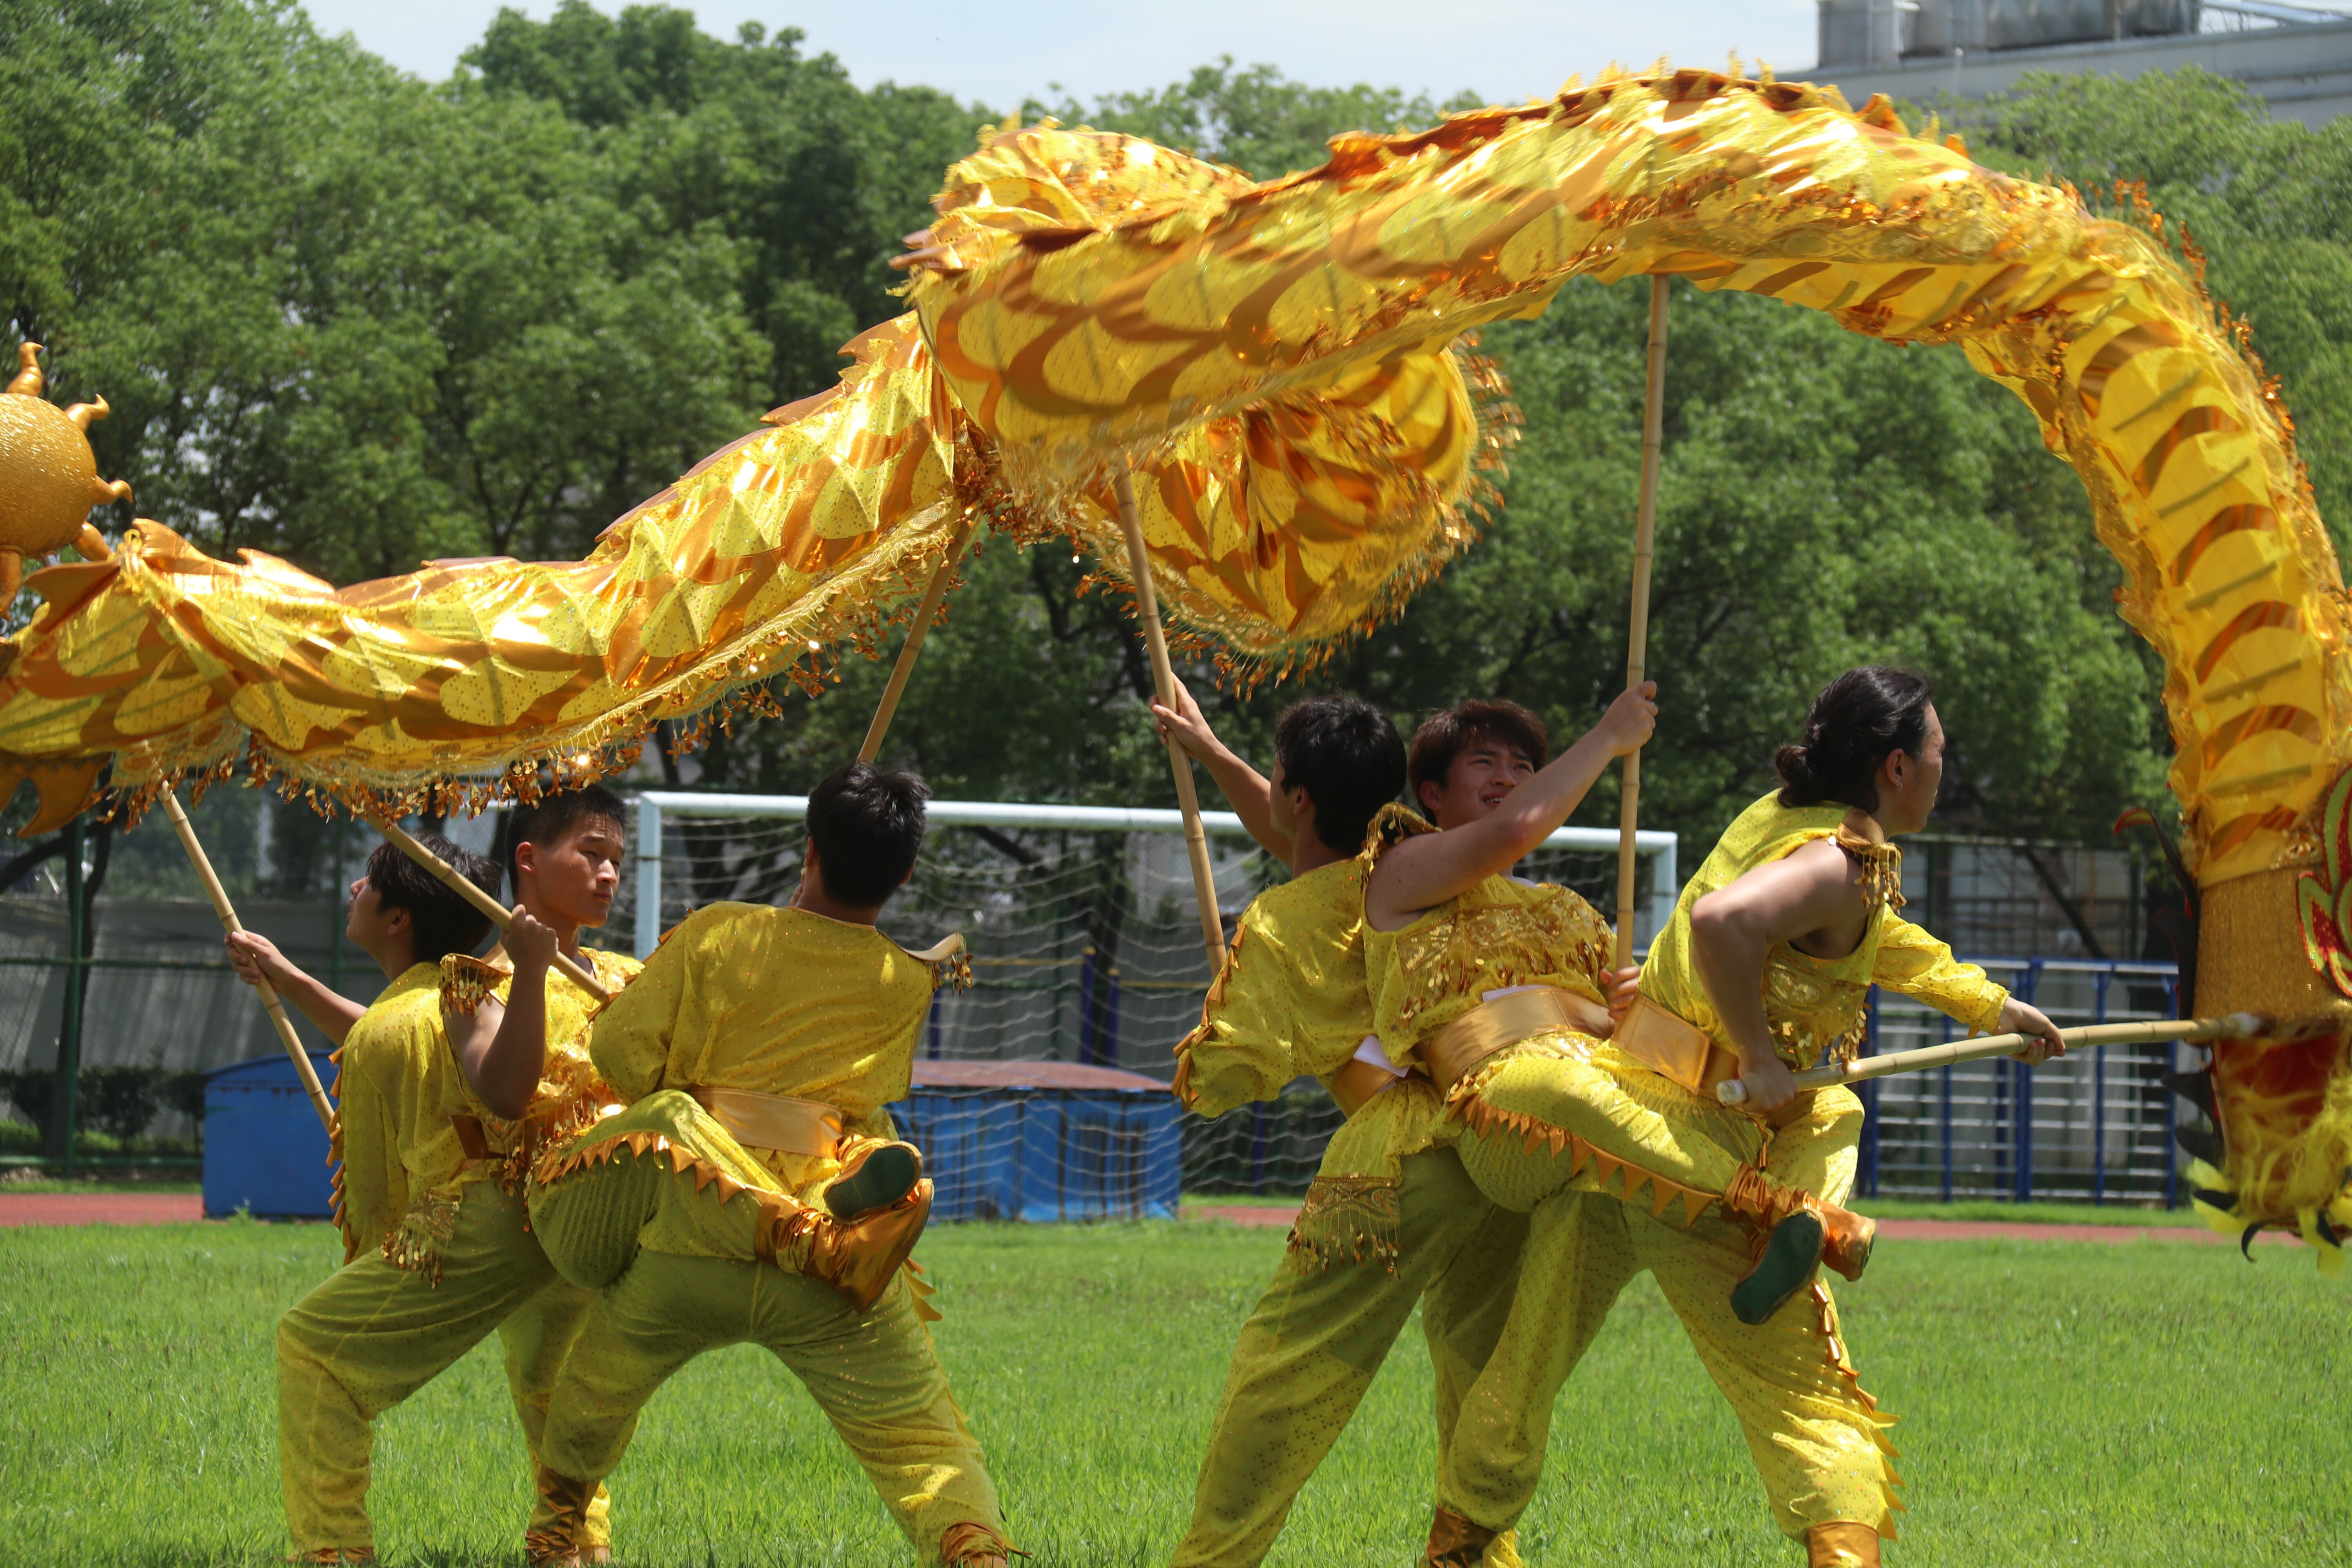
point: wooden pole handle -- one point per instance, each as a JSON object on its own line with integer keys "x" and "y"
{"x": 2236, "y": 1027}
{"x": 449, "y": 877}
{"x": 936, "y": 590}
{"x": 1163, "y": 682}
{"x": 269, "y": 997}
{"x": 1637, "y": 639}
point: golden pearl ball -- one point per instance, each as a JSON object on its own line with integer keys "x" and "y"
{"x": 47, "y": 476}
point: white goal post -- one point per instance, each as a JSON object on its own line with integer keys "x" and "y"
{"x": 653, "y": 805}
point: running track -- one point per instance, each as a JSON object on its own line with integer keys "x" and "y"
{"x": 175, "y": 1208}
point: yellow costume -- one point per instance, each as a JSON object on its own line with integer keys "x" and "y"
{"x": 758, "y": 1047}
{"x": 437, "y": 1256}
{"x": 1389, "y": 1219}
{"x": 1552, "y": 1110}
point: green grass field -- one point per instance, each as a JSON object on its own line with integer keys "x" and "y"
{"x": 2147, "y": 1403}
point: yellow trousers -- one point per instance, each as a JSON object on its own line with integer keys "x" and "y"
{"x": 1819, "y": 1441}
{"x": 373, "y": 1335}
{"x": 1319, "y": 1335}
{"x": 876, "y": 1374}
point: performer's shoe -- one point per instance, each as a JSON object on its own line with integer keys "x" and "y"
{"x": 1455, "y": 1541}
{"x": 881, "y": 1175}
{"x": 1784, "y": 1266}
{"x": 1845, "y": 1544}
{"x": 970, "y": 1545}
{"x": 857, "y": 1257}
{"x": 558, "y": 1543}
{"x": 1846, "y": 1240}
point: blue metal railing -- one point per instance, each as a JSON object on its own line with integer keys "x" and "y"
{"x": 2094, "y": 1127}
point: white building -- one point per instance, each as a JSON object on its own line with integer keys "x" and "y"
{"x": 2297, "y": 57}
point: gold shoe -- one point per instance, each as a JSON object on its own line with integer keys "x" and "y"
{"x": 556, "y": 1543}
{"x": 1844, "y": 1544}
{"x": 857, "y": 1258}
{"x": 970, "y": 1545}
{"x": 1846, "y": 1240}
{"x": 877, "y": 1176}
{"x": 1455, "y": 1541}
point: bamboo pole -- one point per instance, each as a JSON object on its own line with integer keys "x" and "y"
{"x": 932, "y": 594}
{"x": 269, "y": 997}
{"x": 1163, "y": 682}
{"x": 1637, "y": 640}
{"x": 2236, "y": 1027}
{"x": 449, "y": 877}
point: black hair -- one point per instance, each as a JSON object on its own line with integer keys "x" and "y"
{"x": 439, "y": 921}
{"x": 1446, "y": 735}
{"x": 1347, "y": 756}
{"x": 550, "y": 819}
{"x": 865, "y": 826}
{"x": 1856, "y": 721}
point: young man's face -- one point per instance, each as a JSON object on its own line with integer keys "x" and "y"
{"x": 1283, "y": 810}
{"x": 575, "y": 877}
{"x": 369, "y": 926}
{"x": 1483, "y": 772}
{"x": 1908, "y": 786}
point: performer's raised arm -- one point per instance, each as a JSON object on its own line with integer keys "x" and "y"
{"x": 1253, "y": 796}
{"x": 258, "y": 962}
{"x": 1422, "y": 872}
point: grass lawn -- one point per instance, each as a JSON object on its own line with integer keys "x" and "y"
{"x": 2154, "y": 1404}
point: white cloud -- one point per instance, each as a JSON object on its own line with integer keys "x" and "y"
{"x": 1503, "y": 51}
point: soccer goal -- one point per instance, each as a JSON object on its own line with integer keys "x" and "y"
{"x": 1086, "y": 970}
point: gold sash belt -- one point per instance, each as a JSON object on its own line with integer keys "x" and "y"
{"x": 775, "y": 1121}
{"x": 1669, "y": 1044}
{"x": 1354, "y": 1084}
{"x": 1489, "y": 1026}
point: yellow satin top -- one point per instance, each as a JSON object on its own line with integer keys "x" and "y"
{"x": 779, "y": 1000}
{"x": 570, "y": 1092}
{"x": 1816, "y": 1005}
{"x": 392, "y": 1077}
{"x": 1290, "y": 997}
{"x": 1501, "y": 933}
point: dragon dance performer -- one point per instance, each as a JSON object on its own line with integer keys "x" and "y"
{"x": 753, "y": 1190}
{"x": 1389, "y": 1218}
{"x": 1791, "y": 915}
{"x": 425, "y": 1277}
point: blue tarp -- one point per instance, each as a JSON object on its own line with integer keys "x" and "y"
{"x": 263, "y": 1149}
{"x": 1047, "y": 1154}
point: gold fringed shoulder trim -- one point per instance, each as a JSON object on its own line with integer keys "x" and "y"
{"x": 949, "y": 961}
{"x": 1880, "y": 865}
{"x": 1348, "y": 1219}
{"x": 1392, "y": 825}
{"x": 468, "y": 982}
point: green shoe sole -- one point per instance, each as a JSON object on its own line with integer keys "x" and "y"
{"x": 1791, "y": 1255}
{"x": 888, "y": 1175}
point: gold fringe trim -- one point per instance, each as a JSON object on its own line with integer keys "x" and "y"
{"x": 1348, "y": 1219}
{"x": 971, "y": 1541}
{"x": 416, "y": 1243}
{"x": 1488, "y": 1120}
{"x": 1850, "y": 1381}
{"x": 1881, "y": 869}
{"x": 570, "y": 1159}
{"x": 1391, "y": 825}
{"x": 340, "y": 1205}
{"x": 468, "y": 982}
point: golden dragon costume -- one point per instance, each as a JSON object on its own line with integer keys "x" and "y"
{"x": 1267, "y": 357}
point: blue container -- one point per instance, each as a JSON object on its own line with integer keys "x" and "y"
{"x": 1045, "y": 1140}
{"x": 264, "y": 1150}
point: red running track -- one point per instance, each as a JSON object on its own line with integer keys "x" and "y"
{"x": 99, "y": 1208}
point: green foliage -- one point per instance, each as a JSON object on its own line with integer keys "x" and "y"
{"x": 2059, "y": 1402}
{"x": 357, "y": 320}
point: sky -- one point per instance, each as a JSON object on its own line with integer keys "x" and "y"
{"x": 1502, "y": 50}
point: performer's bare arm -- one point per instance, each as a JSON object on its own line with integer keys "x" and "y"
{"x": 1812, "y": 901}
{"x": 1250, "y": 795}
{"x": 502, "y": 1050}
{"x": 1423, "y": 872}
{"x": 257, "y": 959}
